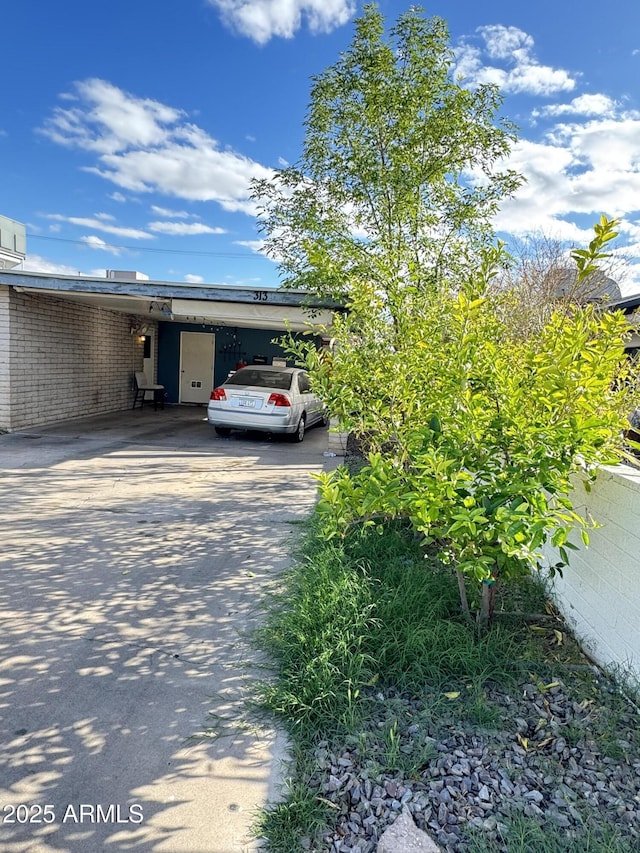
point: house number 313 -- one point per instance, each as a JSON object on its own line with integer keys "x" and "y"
{"x": 259, "y": 295}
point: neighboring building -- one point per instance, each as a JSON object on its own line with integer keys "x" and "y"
{"x": 126, "y": 275}
{"x": 597, "y": 287}
{"x": 630, "y": 305}
{"x": 69, "y": 346}
{"x": 13, "y": 243}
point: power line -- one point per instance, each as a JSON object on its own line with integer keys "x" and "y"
{"x": 244, "y": 255}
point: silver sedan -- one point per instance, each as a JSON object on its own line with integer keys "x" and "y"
{"x": 266, "y": 398}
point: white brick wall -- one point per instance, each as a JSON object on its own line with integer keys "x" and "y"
{"x": 4, "y": 357}
{"x": 65, "y": 360}
{"x": 600, "y": 591}
{"x": 337, "y": 440}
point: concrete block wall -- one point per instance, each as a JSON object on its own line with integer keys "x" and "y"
{"x": 599, "y": 593}
{"x": 337, "y": 440}
{"x": 4, "y": 357}
{"x": 66, "y": 360}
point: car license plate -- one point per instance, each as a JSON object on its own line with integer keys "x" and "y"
{"x": 247, "y": 403}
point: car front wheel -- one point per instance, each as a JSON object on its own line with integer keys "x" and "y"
{"x": 298, "y": 435}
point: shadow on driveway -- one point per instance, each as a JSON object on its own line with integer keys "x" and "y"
{"x": 135, "y": 551}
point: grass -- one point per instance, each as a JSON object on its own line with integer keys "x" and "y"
{"x": 285, "y": 824}
{"x": 526, "y": 836}
{"x": 371, "y": 611}
{"x": 359, "y": 624}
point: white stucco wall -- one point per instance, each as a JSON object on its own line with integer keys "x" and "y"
{"x": 599, "y": 593}
{"x": 63, "y": 360}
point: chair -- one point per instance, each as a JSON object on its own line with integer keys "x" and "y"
{"x": 142, "y": 386}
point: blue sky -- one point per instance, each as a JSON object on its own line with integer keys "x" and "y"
{"x": 130, "y": 129}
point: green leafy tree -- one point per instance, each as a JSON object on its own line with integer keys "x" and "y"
{"x": 474, "y": 431}
{"x": 400, "y": 172}
{"x": 471, "y": 428}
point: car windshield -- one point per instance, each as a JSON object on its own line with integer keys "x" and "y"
{"x": 262, "y": 378}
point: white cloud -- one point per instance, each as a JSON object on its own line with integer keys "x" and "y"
{"x": 181, "y": 229}
{"x": 194, "y": 279}
{"x": 36, "y": 263}
{"x": 144, "y": 146}
{"x": 107, "y": 119}
{"x": 255, "y": 245}
{"x": 632, "y": 228}
{"x": 519, "y": 70}
{"x": 630, "y": 254}
{"x": 260, "y": 20}
{"x": 169, "y": 214}
{"x": 584, "y": 105}
{"x": 87, "y": 222}
{"x": 93, "y": 242}
{"x": 242, "y": 282}
{"x": 259, "y": 247}
{"x": 611, "y": 145}
{"x": 577, "y": 173}
{"x": 506, "y": 42}
{"x": 117, "y": 197}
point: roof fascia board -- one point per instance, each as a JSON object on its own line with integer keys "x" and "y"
{"x": 157, "y": 290}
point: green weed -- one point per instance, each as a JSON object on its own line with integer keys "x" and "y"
{"x": 524, "y": 835}
{"x": 299, "y": 815}
{"x": 371, "y": 611}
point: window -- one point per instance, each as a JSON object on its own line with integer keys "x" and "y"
{"x": 303, "y": 382}
{"x": 261, "y": 378}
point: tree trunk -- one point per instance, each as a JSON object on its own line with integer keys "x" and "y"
{"x": 464, "y": 601}
{"x": 485, "y": 616}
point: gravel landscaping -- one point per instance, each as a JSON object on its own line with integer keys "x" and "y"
{"x": 511, "y": 741}
{"x": 554, "y": 760}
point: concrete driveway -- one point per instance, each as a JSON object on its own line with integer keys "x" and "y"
{"x": 135, "y": 548}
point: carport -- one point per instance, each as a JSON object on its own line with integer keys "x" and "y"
{"x": 69, "y": 347}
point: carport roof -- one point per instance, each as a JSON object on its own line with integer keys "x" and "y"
{"x": 217, "y": 304}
